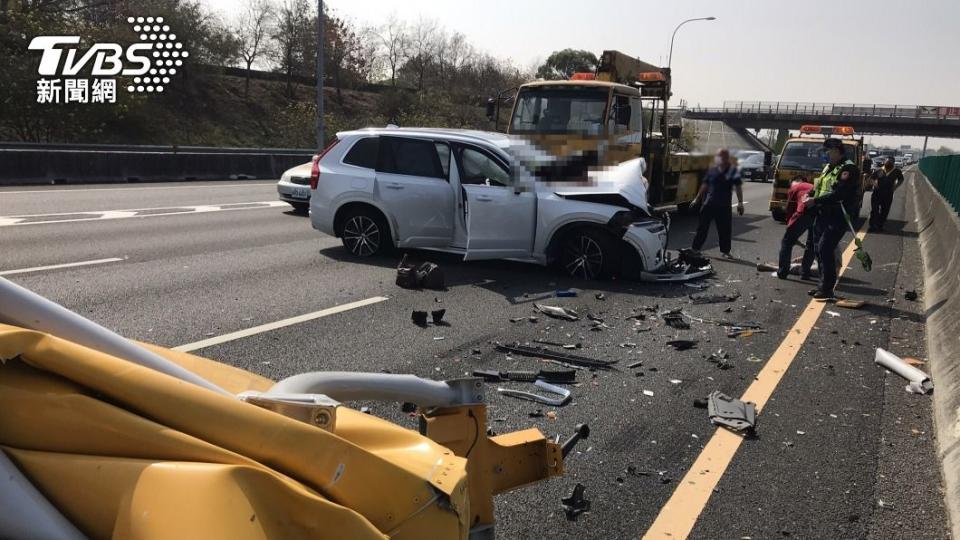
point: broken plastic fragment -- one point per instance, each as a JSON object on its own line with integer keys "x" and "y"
{"x": 575, "y": 504}
{"x": 557, "y": 312}
{"x": 732, "y": 413}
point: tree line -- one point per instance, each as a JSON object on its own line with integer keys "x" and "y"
{"x": 438, "y": 76}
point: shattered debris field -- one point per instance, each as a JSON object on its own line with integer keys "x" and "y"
{"x": 837, "y": 448}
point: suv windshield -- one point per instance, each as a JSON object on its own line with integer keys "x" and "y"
{"x": 560, "y": 110}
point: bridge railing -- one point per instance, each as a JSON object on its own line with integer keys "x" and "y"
{"x": 833, "y": 109}
{"x": 944, "y": 173}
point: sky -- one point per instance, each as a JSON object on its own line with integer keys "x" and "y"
{"x": 849, "y": 51}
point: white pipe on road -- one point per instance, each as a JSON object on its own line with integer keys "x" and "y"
{"x": 919, "y": 381}
{"x": 350, "y": 386}
{"x": 27, "y": 309}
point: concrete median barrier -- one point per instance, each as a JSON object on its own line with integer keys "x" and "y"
{"x": 23, "y": 164}
{"x": 939, "y": 227}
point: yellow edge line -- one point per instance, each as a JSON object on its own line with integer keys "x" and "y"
{"x": 678, "y": 517}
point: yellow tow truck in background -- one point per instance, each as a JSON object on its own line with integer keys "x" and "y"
{"x": 802, "y": 158}
{"x": 617, "y": 113}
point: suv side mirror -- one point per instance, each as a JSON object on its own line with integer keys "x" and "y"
{"x": 491, "y": 108}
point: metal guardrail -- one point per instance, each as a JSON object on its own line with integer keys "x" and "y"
{"x": 835, "y": 109}
{"x": 944, "y": 174}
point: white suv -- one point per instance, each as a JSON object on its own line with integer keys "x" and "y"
{"x": 483, "y": 195}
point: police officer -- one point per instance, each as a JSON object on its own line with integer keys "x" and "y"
{"x": 835, "y": 190}
{"x": 886, "y": 180}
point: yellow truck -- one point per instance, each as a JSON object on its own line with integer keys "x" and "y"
{"x": 802, "y": 157}
{"x": 617, "y": 113}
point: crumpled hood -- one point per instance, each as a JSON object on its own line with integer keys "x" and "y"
{"x": 625, "y": 179}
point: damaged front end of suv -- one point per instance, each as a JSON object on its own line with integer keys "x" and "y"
{"x": 643, "y": 231}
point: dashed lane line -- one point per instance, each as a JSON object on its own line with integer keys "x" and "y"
{"x": 278, "y": 324}
{"x": 58, "y": 266}
{"x": 105, "y": 215}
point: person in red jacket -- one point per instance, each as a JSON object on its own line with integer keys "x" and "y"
{"x": 798, "y": 223}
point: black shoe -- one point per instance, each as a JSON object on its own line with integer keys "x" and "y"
{"x": 813, "y": 292}
{"x": 820, "y": 295}
{"x": 782, "y": 275}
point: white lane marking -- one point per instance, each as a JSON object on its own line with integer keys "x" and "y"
{"x": 14, "y": 221}
{"x": 278, "y": 324}
{"x": 135, "y": 188}
{"x": 58, "y": 266}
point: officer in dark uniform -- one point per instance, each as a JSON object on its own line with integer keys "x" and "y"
{"x": 886, "y": 180}
{"x": 835, "y": 190}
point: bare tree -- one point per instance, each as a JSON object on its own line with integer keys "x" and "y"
{"x": 289, "y": 34}
{"x": 253, "y": 26}
{"x": 394, "y": 45}
{"x": 422, "y": 48}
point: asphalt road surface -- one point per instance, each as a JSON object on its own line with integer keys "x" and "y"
{"x": 841, "y": 450}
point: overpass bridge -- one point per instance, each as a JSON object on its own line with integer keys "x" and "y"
{"x": 912, "y": 120}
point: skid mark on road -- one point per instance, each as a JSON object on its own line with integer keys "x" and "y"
{"x": 103, "y": 215}
{"x": 679, "y": 515}
{"x": 278, "y": 324}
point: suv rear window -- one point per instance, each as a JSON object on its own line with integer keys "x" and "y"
{"x": 364, "y": 153}
{"x": 413, "y": 157}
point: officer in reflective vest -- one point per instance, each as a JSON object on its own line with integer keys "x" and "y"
{"x": 834, "y": 190}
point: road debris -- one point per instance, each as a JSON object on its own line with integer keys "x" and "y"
{"x": 713, "y": 298}
{"x": 628, "y": 345}
{"x": 635, "y": 365}
{"x": 536, "y": 414}
{"x": 419, "y": 318}
{"x": 738, "y": 331}
{"x": 754, "y": 359}
{"x": 910, "y": 295}
{"x": 732, "y": 413}
{"x": 648, "y": 393}
{"x": 833, "y": 313}
{"x": 565, "y": 376}
{"x": 721, "y": 359}
{"x": 566, "y": 293}
{"x": 600, "y": 296}
{"x": 698, "y": 286}
{"x": 674, "y": 319}
{"x": 575, "y": 504}
{"x": 437, "y": 316}
{"x": 439, "y": 338}
{"x": 919, "y": 382}
{"x": 426, "y": 275}
{"x": 557, "y": 312}
{"x": 675, "y": 381}
{"x": 682, "y": 344}
{"x": 546, "y": 400}
{"x": 850, "y": 304}
{"x": 766, "y": 267}
{"x": 564, "y": 357}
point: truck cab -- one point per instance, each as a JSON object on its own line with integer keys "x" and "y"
{"x": 802, "y": 157}
{"x": 601, "y": 119}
